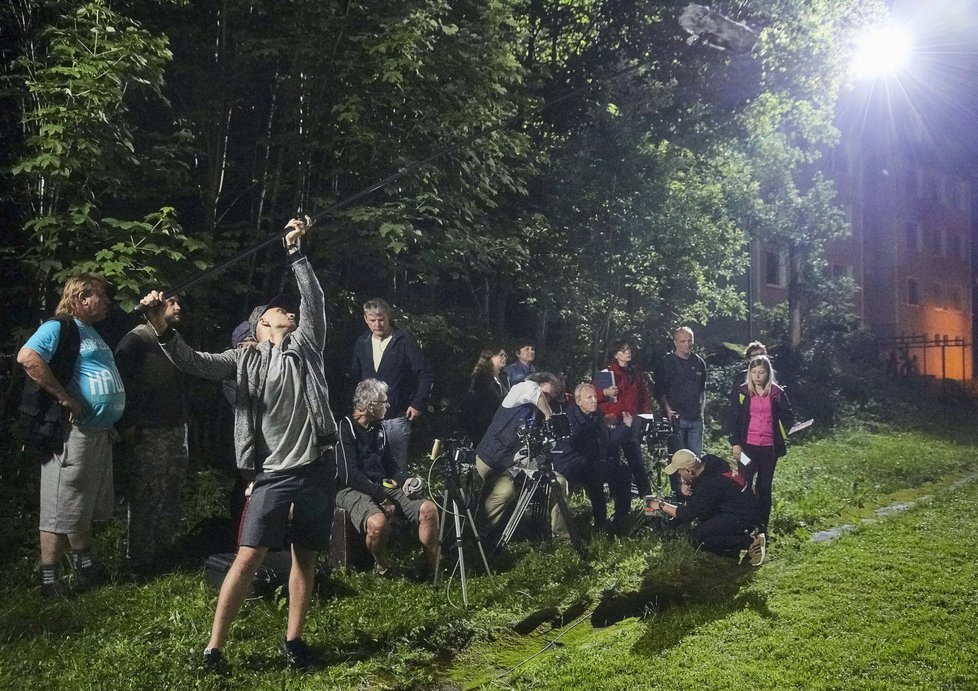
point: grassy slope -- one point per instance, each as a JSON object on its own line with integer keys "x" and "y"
{"x": 889, "y": 606}
{"x": 814, "y": 616}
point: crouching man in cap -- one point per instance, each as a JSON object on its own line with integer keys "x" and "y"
{"x": 372, "y": 488}
{"x": 284, "y": 430}
{"x": 726, "y": 512}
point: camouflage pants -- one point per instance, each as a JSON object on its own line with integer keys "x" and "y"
{"x": 157, "y": 469}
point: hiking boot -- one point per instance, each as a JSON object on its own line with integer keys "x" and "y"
{"x": 757, "y": 550}
{"x": 88, "y": 577}
{"x": 300, "y": 656}
{"x": 56, "y": 588}
{"x": 214, "y": 662}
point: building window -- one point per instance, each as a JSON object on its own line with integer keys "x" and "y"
{"x": 931, "y": 188}
{"x": 963, "y": 194}
{"x": 776, "y": 268}
{"x": 915, "y": 183}
{"x": 956, "y": 298}
{"x": 913, "y": 292}
{"x": 912, "y": 234}
{"x": 937, "y": 296}
{"x": 954, "y": 245}
{"x": 940, "y": 244}
{"x": 952, "y": 193}
{"x": 841, "y": 270}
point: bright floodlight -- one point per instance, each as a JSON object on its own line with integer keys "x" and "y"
{"x": 882, "y": 52}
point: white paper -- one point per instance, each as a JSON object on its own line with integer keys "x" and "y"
{"x": 744, "y": 459}
{"x": 799, "y": 426}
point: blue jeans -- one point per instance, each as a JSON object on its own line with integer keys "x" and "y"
{"x": 688, "y": 436}
{"x": 398, "y": 431}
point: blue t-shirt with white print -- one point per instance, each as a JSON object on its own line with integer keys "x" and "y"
{"x": 95, "y": 383}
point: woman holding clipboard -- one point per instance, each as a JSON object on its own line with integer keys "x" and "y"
{"x": 760, "y": 417}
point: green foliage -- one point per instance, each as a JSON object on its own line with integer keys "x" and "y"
{"x": 80, "y": 73}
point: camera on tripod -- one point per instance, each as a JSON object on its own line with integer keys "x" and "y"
{"x": 538, "y": 440}
{"x": 456, "y": 455}
{"x": 656, "y": 428}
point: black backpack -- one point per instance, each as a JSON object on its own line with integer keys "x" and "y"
{"x": 42, "y": 427}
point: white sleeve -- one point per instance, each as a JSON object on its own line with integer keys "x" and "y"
{"x": 521, "y": 394}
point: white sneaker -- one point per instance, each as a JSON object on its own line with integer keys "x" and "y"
{"x": 757, "y": 550}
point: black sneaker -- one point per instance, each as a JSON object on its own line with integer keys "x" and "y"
{"x": 56, "y": 588}
{"x": 88, "y": 577}
{"x": 300, "y": 656}
{"x": 214, "y": 662}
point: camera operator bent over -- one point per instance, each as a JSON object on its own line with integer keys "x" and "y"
{"x": 283, "y": 428}
{"x": 371, "y": 488}
{"x": 718, "y": 500}
{"x": 496, "y": 455}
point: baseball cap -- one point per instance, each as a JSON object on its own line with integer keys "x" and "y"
{"x": 277, "y": 301}
{"x": 682, "y": 460}
{"x": 240, "y": 333}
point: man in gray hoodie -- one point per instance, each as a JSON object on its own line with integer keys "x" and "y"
{"x": 285, "y": 432}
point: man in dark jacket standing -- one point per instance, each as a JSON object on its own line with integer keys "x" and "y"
{"x": 680, "y": 388}
{"x": 154, "y": 427}
{"x": 725, "y": 511}
{"x": 394, "y": 357}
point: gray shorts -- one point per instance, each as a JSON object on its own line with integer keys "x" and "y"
{"x": 76, "y": 485}
{"x": 308, "y": 492}
{"x": 361, "y": 506}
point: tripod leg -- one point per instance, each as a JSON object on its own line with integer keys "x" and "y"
{"x": 557, "y": 493}
{"x": 458, "y": 497}
{"x": 456, "y": 514}
{"x": 526, "y": 495}
{"x": 443, "y": 521}
{"x": 478, "y": 541}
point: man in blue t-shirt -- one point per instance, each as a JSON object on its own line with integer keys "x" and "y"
{"x": 76, "y": 484}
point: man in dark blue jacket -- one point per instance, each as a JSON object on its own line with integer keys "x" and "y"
{"x": 394, "y": 357}
{"x": 497, "y": 460}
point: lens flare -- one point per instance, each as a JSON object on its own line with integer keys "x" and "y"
{"x": 882, "y": 52}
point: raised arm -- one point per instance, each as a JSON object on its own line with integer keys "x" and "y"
{"x": 312, "y": 302}
{"x": 216, "y": 366}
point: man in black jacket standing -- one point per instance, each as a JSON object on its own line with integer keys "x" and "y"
{"x": 154, "y": 427}
{"x": 717, "y": 499}
{"x": 393, "y": 356}
{"x": 680, "y": 388}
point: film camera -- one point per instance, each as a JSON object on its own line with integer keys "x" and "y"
{"x": 537, "y": 440}
{"x": 655, "y": 428}
{"x": 457, "y": 457}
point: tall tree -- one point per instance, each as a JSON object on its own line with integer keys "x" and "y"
{"x": 80, "y": 69}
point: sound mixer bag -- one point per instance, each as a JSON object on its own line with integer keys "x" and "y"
{"x": 42, "y": 419}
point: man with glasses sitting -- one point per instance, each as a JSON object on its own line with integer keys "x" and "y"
{"x": 372, "y": 489}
